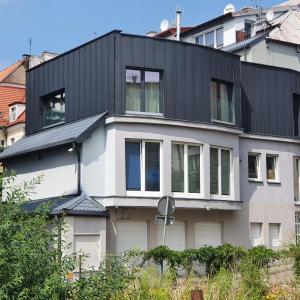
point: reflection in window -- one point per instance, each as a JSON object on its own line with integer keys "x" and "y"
{"x": 54, "y": 108}
{"x": 194, "y": 169}
{"x": 271, "y": 162}
{"x": 253, "y": 165}
{"x": 177, "y": 168}
{"x": 210, "y": 39}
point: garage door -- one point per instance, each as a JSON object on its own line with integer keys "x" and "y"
{"x": 131, "y": 234}
{"x": 175, "y": 235}
{"x": 209, "y": 234}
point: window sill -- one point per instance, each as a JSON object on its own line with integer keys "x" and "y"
{"x": 273, "y": 182}
{"x": 143, "y": 194}
{"x": 53, "y": 125}
{"x": 141, "y": 113}
{"x": 223, "y": 122}
{"x": 255, "y": 180}
{"x": 297, "y": 203}
{"x": 187, "y": 195}
{"x": 221, "y": 197}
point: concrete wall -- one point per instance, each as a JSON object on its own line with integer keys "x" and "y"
{"x": 273, "y": 54}
{"x": 58, "y": 168}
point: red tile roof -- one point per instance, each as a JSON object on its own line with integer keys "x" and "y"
{"x": 170, "y": 31}
{"x": 9, "y": 70}
{"x": 9, "y": 95}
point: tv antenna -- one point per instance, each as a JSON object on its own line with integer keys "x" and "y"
{"x": 30, "y": 45}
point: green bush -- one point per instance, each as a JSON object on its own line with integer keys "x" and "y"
{"x": 294, "y": 253}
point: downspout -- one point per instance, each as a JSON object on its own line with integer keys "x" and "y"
{"x": 77, "y": 149}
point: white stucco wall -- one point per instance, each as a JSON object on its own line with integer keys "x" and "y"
{"x": 59, "y": 170}
{"x": 15, "y": 132}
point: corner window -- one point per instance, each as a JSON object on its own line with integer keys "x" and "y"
{"x": 142, "y": 166}
{"x": 186, "y": 168}
{"x": 54, "y": 108}
{"x": 222, "y": 106}
{"x": 143, "y": 91}
{"x": 254, "y": 166}
{"x": 220, "y": 167}
{"x": 272, "y": 167}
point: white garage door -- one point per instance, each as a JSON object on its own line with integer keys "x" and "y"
{"x": 131, "y": 234}
{"x": 88, "y": 245}
{"x": 175, "y": 235}
{"x": 208, "y": 234}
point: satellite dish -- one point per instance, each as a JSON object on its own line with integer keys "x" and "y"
{"x": 229, "y": 8}
{"x": 270, "y": 15}
{"x": 164, "y": 25}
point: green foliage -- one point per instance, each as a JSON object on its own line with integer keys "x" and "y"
{"x": 261, "y": 256}
{"x": 294, "y": 253}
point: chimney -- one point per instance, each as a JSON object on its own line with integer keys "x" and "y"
{"x": 178, "y": 15}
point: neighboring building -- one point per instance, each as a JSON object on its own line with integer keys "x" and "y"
{"x": 261, "y": 35}
{"x": 123, "y": 120}
{"x": 12, "y": 97}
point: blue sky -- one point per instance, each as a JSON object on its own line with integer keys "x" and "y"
{"x": 59, "y": 25}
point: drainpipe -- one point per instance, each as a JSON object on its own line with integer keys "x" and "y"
{"x": 178, "y": 14}
{"x": 77, "y": 149}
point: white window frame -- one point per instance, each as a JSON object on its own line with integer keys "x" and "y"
{"x": 279, "y": 235}
{"x": 277, "y": 178}
{"x": 214, "y": 29}
{"x": 11, "y": 119}
{"x": 261, "y": 232}
{"x": 143, "y": 192}
{"x": 297, "y": 227}
{"x": 258, "y": 166}
{"x": 297, "y": 197}
{"x": 219, "y": 196}
{"x": 186, "y": 194}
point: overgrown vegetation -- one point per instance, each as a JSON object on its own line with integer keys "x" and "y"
{"x": 32, "y": 265}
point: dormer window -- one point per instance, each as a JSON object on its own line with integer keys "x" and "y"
{"x": 13, "y": 114}
{"x": 54, "y": 108}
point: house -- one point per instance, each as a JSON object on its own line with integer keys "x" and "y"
{"x": 261, "y": 35}
{"x": 123, "y": 120}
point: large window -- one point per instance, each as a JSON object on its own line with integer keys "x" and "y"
{"x": 253, "y": 166}
{"x": 143, "y": 91}
{"x": 54, "y": 108}
{"x": 220, "y": 165}
{"x": 222, "y": 106}
{"x": 142, "y": 166}
{"x": 213, "y": 38}
{"x": 186, "y": 168}
{"x": 272, "y": 167}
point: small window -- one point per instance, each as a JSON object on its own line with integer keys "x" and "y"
{"x": 219, "y": 37}
{"x": 54, "y": 108}
{"x": 12, "y": 141}
{"x": 2, "y": 143}
{"x": 143, "y": 91}
{"x": 220, "y": 167}
{"x": 274, "y": 235}
{"x": 253, "y": 166}
{"x": 142, "y": 166}
{"x": 186, "y": 168}
{"x": 297, "y": 227}
{"x": 256, "y": 234}
{"x": 12, "y": 114}
{"x": 272, "y": 168}
{"x": 199, "y": 40}
{"x": 222, "y": 107}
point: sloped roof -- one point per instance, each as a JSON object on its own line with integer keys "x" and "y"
{"x": 9, "y": 95}
{"x": 287, "y": 28}
{"x": 83, "y": 205}
{"x": 246, "y": 43}
{"x": 290, "y": 2}
{"x": 20, "y": 119}
{"x": 53, "y": 137}
{"x": 170, "y": 31}
{"x": 9, "y": 70}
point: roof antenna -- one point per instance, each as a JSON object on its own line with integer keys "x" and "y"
{"x": 30, "y": 45}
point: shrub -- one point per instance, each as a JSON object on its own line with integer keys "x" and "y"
{"x": 261, "y": 256}
{"x": 294, "y": 253}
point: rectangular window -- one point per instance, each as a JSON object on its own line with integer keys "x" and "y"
{"x": 296, "y": 167}
{"x": 256, "y": 234}
{"x": 219, "y": 37}
{"x": 274, "y": 234}
{"x": 143, "y": 91}
{"x": 186, "y": 168}
{"x": 222, "y": 106}
{"x": 210, "y": 39}
{"x": 253, "y": 165}
{"x": 13, "y": 114}
{"x": 199, "y": 40}
{"x": 296, "y": 114}
{"x": 220, "y": 167}
{"x": 297, "y": 227}
{"x": 54, "y": 108}
{"x": 142, "y": 166}
{"x": 272, "y": 168}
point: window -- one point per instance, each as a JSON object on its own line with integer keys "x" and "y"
{"x": 54, "y": 108}
{"x": 296, "y": 167}
{"x": 186, "y": 168}
{"x": 274, "y": 234}
{"x": 142, "y": 166}
{"x": 256, "y": 234}
{"x": 248, "y": 24}
{"x": 222, "y": 107}
{"x": 213, "y": 38}
{"x": 254, "y": 166}
{"x": 220, "y": 165}
{"x": 272, "y": 172}
{"x": 296, "y": 114}
{"x": 2, "y": 143}
{"x": 297, "y": 227}
{"x": 12, "y": 141}
{"x": 12, "y": 114}
{"x": 143, "y": 91}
